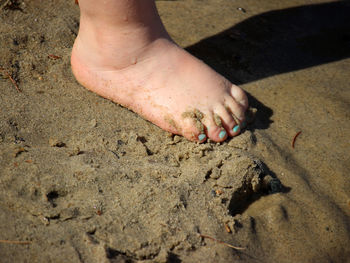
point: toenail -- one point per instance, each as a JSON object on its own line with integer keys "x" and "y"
{"x": 222, "y": 134}
{"x": 201, "y": 137}
{"x": 236, "y": 128}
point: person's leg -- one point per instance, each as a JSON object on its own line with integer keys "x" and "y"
{"x": 123, "y": 53}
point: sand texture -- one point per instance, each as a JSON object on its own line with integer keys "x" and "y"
{"x": 85, "y": 180}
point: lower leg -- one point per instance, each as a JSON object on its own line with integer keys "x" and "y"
{"x": 123, "y": 52}
{"x": 128, "y": 24}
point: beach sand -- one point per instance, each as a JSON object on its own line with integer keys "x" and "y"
{"x": 85, "y": 180}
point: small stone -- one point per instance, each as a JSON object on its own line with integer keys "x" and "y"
{"x": 44, "y": 220}
{"x": 215, "y": 173}
{"x": 231, "y": 225}
{"x": 53, "y": 142}
{"x": 255, "y": 184}
{"x": 18, "y": 151}
{"x": 69, "y": 213}
{"x": 227, "y": 228}
{"x": 273, "y": 185}
{"x": 93, "y": 123}
{"x": 241, "y": 9}
{"x": 75, "y": 151}
{"x": 177, "y": 139}
{"x": 219, "y": 192}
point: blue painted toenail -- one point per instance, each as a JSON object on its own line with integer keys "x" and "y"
{"x": 222, "y": 134}
{"x": 201, "y": 137}
{"x": 236, "y": 128}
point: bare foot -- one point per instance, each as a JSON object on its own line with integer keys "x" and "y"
{"x": 137, "y": 65}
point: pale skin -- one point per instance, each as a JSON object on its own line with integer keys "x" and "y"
{"x": 123, "y": 53}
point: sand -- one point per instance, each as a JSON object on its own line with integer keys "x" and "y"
{"x": 85, "y": 180}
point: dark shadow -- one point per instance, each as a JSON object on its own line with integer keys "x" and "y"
{"x": 262, "y": 118}
{"x": 51, "y": 197}
{"x": 115, "y": 256}
{"x": 173, "y": 258}
{"x": 279, "y": 41}
{"x": 245, "y": 196}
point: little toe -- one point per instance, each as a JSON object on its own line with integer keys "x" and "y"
{"x": 193, "y": 130}
{"x": 202, "y": 137}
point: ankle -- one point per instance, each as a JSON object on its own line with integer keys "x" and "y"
{"x": 125, "y": 43}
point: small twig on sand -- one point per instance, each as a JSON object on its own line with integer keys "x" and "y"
{"x": 12, "y": 80}
{"x": 53, "y": 56}
{"x": 295, "y": 137}
{"x": 221, "y": 242}
{"x": 227, "y": 228}
{"x": 15, "y": 242}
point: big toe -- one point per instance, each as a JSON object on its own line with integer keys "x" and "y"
{"x": 239, "y": 96}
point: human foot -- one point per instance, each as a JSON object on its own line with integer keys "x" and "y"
{"x": 133, "y": 62}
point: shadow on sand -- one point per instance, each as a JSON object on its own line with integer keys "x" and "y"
{"x": 277, "y": 42}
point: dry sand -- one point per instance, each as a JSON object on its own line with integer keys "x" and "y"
{"x": 85, "y": 180}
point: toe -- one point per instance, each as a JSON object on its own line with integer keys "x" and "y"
{"x": 227, "y": 120}
{"x": 235, "y": 109}
{"x": 214, "y": 132}
{"x": 193, "y": 130}
{"x": 240, "y": 97}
